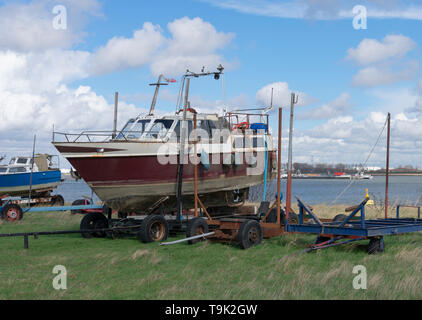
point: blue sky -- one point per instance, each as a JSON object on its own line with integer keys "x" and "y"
{"x": 348, "y": 79}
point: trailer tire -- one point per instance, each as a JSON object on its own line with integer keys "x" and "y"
{"x": 57, "y": 200}
{"x": 153, "y": 228}
{"x": 250, "y": 234}
{"x": 375, "y": 246}
{"x": 92, "y": 221}
{"x": 12, "y": 213}
{"x": 196, "y": 227}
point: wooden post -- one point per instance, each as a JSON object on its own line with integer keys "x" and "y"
{"x": 387, "y": 170}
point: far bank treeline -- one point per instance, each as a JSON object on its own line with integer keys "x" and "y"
{"x": 323, "y": 168}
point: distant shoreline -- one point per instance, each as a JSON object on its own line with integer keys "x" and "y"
{"x": 397, "y": 174}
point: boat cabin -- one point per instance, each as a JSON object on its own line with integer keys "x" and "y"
{"x": 169, "y": 127}
{"x": 43, "y": 162}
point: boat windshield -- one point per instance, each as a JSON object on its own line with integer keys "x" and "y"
{"x": 159, "y": 129}
{"x": 133, "y": 129}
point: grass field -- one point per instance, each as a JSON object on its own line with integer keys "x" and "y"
{"x": 128, "y": 269}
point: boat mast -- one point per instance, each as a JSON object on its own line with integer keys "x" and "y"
{"x": 157, "y": 89}
{"x": 184, "y": 132}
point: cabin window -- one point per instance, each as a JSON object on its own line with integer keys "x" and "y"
{"x": 208, "y": 126}
{"x": 238, "y": 143}
{"x": 138, "y": 129}
{"x": 17, "y": 170}
{"x": 242, "y": 142}
{"x": 22, "y": 161}
{"x": 258, "y": 142}
{"x": 3, "y": 170}
{"x": 178, "y": 127}
{"x": 159, "y": 129}
{"x": 124, "y": 131}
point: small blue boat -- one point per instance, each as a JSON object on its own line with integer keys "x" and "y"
{"x": 15, "y": 178}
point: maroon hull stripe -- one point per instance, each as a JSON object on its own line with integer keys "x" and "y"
{"x": 145, "y": 170}
{"x": 67, "y": 149}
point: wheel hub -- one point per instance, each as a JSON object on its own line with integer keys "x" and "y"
{"x": 157, "y": 231}
{"x": 253, "y": 235}
{"x": 12, "y": 214}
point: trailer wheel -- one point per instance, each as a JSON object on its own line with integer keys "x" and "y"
{"x": 340, "y": 218}
{"x": 92, "y": 221}
{"x": 57, "y": 200}
{"x": 12, "y": 213}
{"x": 250, "y": 234}
{"x": 196, "y": 227}
{"x": 153, "y": 228}
{"x": 375, "y": 246}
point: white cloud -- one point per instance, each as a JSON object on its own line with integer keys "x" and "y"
{"x": 384, "y": 61}
{"x": 376, "y": 76}
{"x": 122, "y": 53}
{"x": 29, "y": 27}
{"x": 396, "y": 101}
{"x": 34, "y": 72}
{"x": 282, "y": 95}
{"x": 193, "y": 44}
{"x": 35, "y": 89}
{"x": 339, "y": 106}
{"x": 323, "y": 9}
{"x": 34, "y": 96}
{"x": 371, "y": 51}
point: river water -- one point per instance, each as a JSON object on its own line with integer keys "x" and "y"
{"x": 403, "y": 190}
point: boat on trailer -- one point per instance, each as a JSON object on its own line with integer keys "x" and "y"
{"x": 137, "y": 168}
{"x": 19, "y": 176}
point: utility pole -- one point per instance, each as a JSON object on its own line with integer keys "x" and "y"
{"x": 387, "y": 170}
{"x": 280, "y": 123}
{"x": 116, "y": 104}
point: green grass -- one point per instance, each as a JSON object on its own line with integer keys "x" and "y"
{"x": 128, "y": 269}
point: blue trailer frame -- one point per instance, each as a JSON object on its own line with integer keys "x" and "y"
{"x": 55, "y": 209}
{"x": 352, "y": 229}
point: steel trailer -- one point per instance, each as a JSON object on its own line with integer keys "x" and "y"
{"x": 349, "y": 229}
{"x": 270, "y": 222}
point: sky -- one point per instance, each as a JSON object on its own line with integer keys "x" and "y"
{"x": 61, "y": 62}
